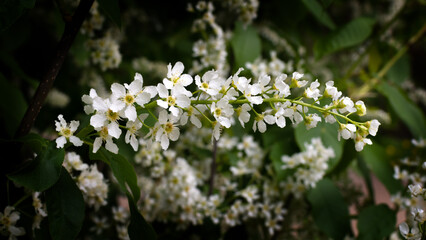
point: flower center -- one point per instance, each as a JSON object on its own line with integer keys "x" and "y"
{"x": 5, "y": 221}
{"x": 112, "y": 116}
{"x": 171, "y": 100}
{"x": 66, "y": 132}
{"x": 168, "y": 127}
{"x": 104, "y": 132}
{"x": 129, "y": 99}
{"x": 218, "y": 111}
{"x": 205, "y": 85}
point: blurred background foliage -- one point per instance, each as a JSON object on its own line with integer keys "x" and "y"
{"x": 373, "y": 50}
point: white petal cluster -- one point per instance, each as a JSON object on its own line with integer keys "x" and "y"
{"x": 93, "y": 186}
{"x": 310, "y": 166}
{"x": 105, "y": 52}
{"x": 66, "y": 132}
{"x": 219, "y": 100}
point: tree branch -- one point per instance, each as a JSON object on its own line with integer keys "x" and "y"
{"x": 70, "y": 32}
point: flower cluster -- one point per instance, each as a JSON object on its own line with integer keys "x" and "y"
{"x": 90, "y": 181}
{"x": 94, "y": 22}
{"x": 105, "y": 52}
{"x": 173, "y": 186}
{"x": 209, "y": 52}
{"x": 218, "y": 100}
{"x": 274, "y": 67}
{"x": 309, "y": 165}
{"x": 411, "y": 172}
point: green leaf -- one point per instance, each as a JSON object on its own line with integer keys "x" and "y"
{"x": 406, "y": 110}
{"x": 85, "y": 131}
{"x": 112, "y": 10}
{"x": 277, "y": 151}
{"x": 329, "y": 210}
{"x": 65, "y": 205}
{"x": 121, "y": 168}
{"x": 352, "y": 34}
{"x": 376, "y": 222}
{"x": 348, "y": 155}
{"x": 34, "y": 142}
{"x": 42, "y": 172}
{"x": 11, "y": 10}
{"x": 328, "y": 134}
{"x": 138, "y": 227}
{"x": 319, "y": 12}
{"x": 376, "y": 159}
{"x": 400, "y": 71}
{"x": 246, "y": 44}
{"x": 12, "y": 106}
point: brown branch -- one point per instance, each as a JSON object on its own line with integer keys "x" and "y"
{"x": 71, "y": 29}
{"x": 213, "y": 167}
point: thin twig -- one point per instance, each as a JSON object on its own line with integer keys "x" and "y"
{"x": 71, "y": 30}
{"x": 373, "y": 82}
{"x": 213, "y": 167}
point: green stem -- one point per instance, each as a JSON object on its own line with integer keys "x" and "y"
{"x": 373, "y": 82}
{"x": 21, "y": 200}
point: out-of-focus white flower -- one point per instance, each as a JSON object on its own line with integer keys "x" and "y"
{"x": 93, "y": 185}
{"x": 73, "y": 161}
{"x": 8, "y": 221}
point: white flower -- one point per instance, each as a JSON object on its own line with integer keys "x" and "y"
{"x": 250, "y": 193}
{"x": 272, "y": 225}
{"x": 415, "y": 190}
{"x": 168, "y": 129}
{"x": 295, "y": 82}
{"x": 312, "y": 120}
{"x": 73, "y": 161}
{"x": 93, "y": 186}
{"x": 88, "y": 100}
{"x": 331, "y": 91}
{"x": 346, "y": 131}
{"x": 66, "y": 131}
{"x": 132, "y": 131}
{"x": 259, "y": 123}
{"x": 373, "y": 127}
{"x": 125, "y": 96}
{"x": 312, "y": 91}
{"x": 120, "y": 214}
{"x": 360, "y": 143}
{"x": 104, "y": 136}
{"x": 409, "y": 234}
{"x": 8, "y": 221}
{"x": 105, "y": 116}
{"x": 346, "y": 105}
{"x": 243, "y": 113}
{"x": 191, "y": 113}
{"x": 281, "y": 86}
{"x": 222, "y": 111}
{"x": 175, "y": 78}
{"x": 210, "y": 84}
{"x": 419, "y": 143}
{"x": 263, "y": 83}
{"x": 249, "y": 91}
{"x": 176, "y": 98}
